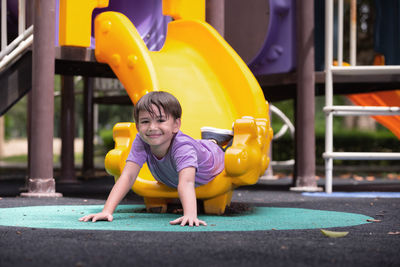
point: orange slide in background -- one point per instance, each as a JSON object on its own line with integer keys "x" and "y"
{"x": 383, "y": 98}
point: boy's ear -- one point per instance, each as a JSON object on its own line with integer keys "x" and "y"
{"x": 177, "y": 125}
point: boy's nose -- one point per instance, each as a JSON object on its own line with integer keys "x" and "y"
{"x": 153, "y": 125}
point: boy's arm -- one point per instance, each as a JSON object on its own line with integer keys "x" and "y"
{"x": 118, "y": 192}
{"x": 187, "y": 195}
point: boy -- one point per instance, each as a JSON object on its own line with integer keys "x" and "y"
{"x": 175, "y": 159}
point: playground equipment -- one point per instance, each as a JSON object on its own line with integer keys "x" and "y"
{"x": 69, "y": 31}
{"x": 383, "y": 99}
{"x": 147, "y": 17}
{"x": 145, "y": 14}
{"x": 213, "y": 84}
{"x": 331, "y": 109}
{"x": 379, "y": 99}
{"x": 277, "y": 54}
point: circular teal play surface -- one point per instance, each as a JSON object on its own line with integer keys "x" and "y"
{"x": 131, "y": 218}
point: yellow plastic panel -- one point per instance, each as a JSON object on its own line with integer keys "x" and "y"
{"x": 123, "y": 134}
{"x": 76, "y": 20}
{"x": 185, "y": 9}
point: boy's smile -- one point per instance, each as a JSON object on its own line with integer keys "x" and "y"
{"x": 157, "y": 131}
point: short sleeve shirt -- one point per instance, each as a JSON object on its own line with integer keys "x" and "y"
{"x": 205, "y": 156}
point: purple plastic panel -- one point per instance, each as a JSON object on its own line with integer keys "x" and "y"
{"x": 12, "y": 7}
{"x": 277, "y": 55}
{"x": 147, "y": 17}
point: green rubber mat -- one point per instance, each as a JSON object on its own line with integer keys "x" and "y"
{"x": 132, "y": 218}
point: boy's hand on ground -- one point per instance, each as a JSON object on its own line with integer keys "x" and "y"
{"x": 101, "y": 216}
{"x": 191, "y": 221}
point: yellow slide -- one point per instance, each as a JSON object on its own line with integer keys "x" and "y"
{"x": 383, "y": 98}
{"x": 213, "y": 84}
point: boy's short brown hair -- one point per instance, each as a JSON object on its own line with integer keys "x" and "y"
{"x": 160, "y": 99}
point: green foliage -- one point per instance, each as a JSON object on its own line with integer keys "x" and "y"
{"x": 15, "y": 120}
{"x": 109, "y": 115}
{"x": 344, "y": 141}
{"x": 24, "y": 158}
{"x": 17, "y": 158}
{"x": 107, "y": 139}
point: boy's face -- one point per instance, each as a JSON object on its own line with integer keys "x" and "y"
{"x": 157, "y": 131}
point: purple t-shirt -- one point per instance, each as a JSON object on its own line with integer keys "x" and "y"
{"x": 204, "y": 155}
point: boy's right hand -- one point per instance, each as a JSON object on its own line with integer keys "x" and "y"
{"x": 101, "y": 216}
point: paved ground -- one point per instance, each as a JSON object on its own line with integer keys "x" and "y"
{"x": 372, "y": 244}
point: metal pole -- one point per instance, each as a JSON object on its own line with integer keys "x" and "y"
{"x": 41, "y": 182}
{"x": 340, "y": 33}
{"x": 3, "y": 46}
{"x": 3, "y": 24}
{"x": 353, "y": 32}
{"x": 305, "y": 110}
{"x": 21, "y": 16}
{"x": 328, "y": 93}
{"x": 88, "y": 127}
{"x": 67, "y": 130}
{"x": 215, "y": 15}
{"x": 29, "y": 22}
{"x": 1, "y": 136}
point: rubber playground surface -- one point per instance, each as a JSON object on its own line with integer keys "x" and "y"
{"x": 266, "y": 225}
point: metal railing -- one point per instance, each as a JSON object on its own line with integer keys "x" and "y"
{"x": 10, "y": 51}
{"x": 332, "y": 110}
{"x": 286, "y": 126}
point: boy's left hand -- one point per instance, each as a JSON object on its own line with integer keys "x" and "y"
{"x": 192, "y": 221}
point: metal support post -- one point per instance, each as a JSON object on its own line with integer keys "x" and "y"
{"x": 88, "y": 128}
{"x": 305, "y": 106}
{"x": 215, "y": 15}
{"x": 41, "y": 182}
{"x": 67, "y": 130}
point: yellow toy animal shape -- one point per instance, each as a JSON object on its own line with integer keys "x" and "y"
{"x": 213, "y": 85}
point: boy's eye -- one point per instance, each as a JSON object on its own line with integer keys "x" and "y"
{"x": 144, "y": 121}
{"x": 161, "y": 120}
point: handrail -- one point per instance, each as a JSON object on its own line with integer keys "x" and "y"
{"x": 25, "y": 36}
{"x": 287, "y": 123}
{"x": 21, "y": 16}
{"x": 287, "y": 126}
{"x": 16, "y": 52}
{"x": 3, "y": 24}
{"x": 361, "y": 111}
